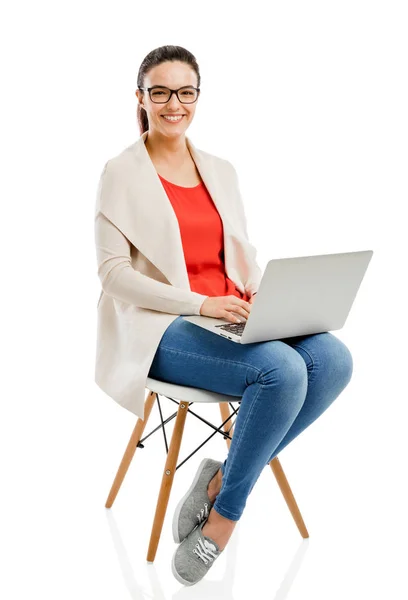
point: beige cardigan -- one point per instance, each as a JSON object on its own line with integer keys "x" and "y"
{"x": 141, "y": 264}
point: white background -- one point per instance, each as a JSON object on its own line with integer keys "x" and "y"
{"x": 309, "y": 101}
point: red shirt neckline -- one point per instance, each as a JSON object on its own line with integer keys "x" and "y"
{"x": 183, "y": 187}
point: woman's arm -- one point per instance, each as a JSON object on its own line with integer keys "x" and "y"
{"x": 120, "y": 280}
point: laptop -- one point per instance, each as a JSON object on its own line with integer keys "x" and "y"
{"x": 297, "y": 296}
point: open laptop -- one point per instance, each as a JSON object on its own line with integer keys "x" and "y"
{"x": 297, "y": 296}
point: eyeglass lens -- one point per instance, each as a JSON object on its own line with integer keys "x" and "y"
{"x": 162, "y": 95}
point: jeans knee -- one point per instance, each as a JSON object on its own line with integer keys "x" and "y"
{"x": 333, "y": 357}
{"x": 290, "y": 373}
{"x": 345, "y": 363}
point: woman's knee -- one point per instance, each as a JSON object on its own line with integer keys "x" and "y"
{"x": 332, "y": 354}
{"x": 284, "y": 369}
{"x": 344, "y": 361}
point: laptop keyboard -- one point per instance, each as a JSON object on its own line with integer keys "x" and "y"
{"x": 236, "y": 328}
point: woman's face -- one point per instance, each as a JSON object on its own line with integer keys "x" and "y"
{"x": 173, "y": 75}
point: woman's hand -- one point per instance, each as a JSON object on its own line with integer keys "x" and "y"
{"x": 226, "y": 307}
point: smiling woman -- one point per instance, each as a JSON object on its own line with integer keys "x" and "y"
{"x": 168, "y": 89}
{"x": 172, "y": 240}
{"x": 167, "y": 92}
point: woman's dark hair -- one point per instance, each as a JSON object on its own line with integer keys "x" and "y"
{"x": 154, "y": 58}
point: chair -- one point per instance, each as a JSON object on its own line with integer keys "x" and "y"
{"x": 184, "y": 397}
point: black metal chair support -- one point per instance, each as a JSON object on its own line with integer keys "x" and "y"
{"x": 163, "y": 423}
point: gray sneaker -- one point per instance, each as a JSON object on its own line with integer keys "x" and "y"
{"x": 195, "y": 505}
{"x": 194, "y": 557}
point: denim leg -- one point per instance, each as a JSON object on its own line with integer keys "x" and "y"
{"x": 274, "y": 380}
{"x": 268, "y": 408}
{"x": 330, "y": 368}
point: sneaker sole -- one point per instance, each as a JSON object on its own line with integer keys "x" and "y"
{"x": 180, "y": 505}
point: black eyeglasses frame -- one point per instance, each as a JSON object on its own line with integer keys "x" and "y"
{"x": 171, "y": 93}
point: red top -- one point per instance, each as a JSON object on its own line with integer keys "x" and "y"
{"x": 202, "y": 237}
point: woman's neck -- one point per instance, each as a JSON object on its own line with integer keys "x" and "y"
{"x": 171, "y": 151}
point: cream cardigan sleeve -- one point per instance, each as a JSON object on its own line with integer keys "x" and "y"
{"x": 120, "y": 280}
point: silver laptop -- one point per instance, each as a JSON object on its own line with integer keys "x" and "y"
{"x": 297, "y": 296}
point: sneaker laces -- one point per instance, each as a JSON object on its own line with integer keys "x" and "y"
{"x": 206, "y": 551}
{"x": 203, "y": 514}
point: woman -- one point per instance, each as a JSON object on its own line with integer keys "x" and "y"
{"x": 284, "y": 385}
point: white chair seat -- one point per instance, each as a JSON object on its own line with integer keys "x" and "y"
{"x": 187, "y": 393}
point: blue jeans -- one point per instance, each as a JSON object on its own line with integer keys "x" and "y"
{"x": 284, "y": 385}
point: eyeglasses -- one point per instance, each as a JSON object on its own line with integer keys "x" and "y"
{"x": 160, "y": 94}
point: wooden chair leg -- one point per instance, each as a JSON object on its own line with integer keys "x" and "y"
{"x": 167, "y": 480}
{"x": 225, "y": 413}
{"x": 130, "y": 449}
{"x": 288, "y": 495}
{"x": 279, "y": 475}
